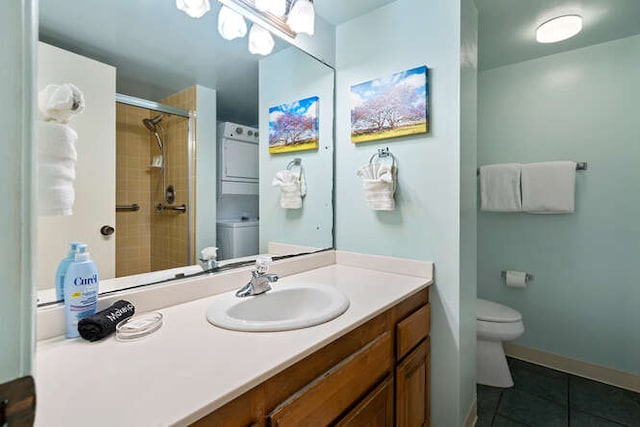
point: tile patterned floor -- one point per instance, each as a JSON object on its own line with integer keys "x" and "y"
{"x": 542, "y": 397}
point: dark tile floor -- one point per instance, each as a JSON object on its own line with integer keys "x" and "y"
{"x": 542, "y": 397}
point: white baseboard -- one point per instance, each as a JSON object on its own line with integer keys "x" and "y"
{"x": 599, "y": 373}
{"x": 472, "y": 416}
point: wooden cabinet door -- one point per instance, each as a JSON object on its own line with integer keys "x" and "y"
{"x": 375, "y": 410}
{"x": 322, "y": 401}
{"x": 412, "y": 388}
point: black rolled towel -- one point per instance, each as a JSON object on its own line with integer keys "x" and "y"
{"x": 103, "y": 323}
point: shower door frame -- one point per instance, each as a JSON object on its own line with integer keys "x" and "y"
{"x": 191, "y": 146}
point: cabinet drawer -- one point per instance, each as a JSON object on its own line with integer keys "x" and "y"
{"x": 412, "y": 330}
{"x": 323, "y": 400}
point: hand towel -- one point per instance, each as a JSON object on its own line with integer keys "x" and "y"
{"x": 292, "y": 188}
{"x": 103, "y": 323}
{"x": 379, "y": 184}
{"x": 58, "y": 103}
{"x": 56, "y": 159}
{"x": 500, "y": 188}
{"x": 548, "y": 187}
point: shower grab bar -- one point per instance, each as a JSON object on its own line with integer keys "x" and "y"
{"x": 580, "y": 166}
{"x": 180, "y": 208}
{"x": 134, "y": 207}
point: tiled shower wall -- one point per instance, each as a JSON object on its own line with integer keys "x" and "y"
{"x": 148, "y": 240}
{"x": 133, "y": 229}
{"x": 170, "y": 230}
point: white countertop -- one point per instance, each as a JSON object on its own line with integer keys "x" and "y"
{"x": 189, "y": 368}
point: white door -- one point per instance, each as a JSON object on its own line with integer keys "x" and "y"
{"x": 95, "y": 170}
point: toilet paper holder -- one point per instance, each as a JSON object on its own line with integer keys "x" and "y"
{"x": 528, "y": 276}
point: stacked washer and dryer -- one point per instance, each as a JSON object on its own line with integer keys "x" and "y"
{"x": 238, "y": 174}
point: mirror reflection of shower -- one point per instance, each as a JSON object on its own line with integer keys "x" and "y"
{"x": 160, "y": 162}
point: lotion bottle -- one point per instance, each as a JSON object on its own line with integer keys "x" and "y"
{"x": 80, "y": 290}
{"x": 62, "y": 270}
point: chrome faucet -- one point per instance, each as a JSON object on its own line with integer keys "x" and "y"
{"x": 260, "y": 281}
{"x": 207, "y": 260}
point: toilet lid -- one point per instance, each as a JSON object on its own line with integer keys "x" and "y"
{"x": 490, "y": 311}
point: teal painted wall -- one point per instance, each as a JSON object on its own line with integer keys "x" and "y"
{"x": 205, "y": 168}
{"x": 426, "y": 222}
{"x": 579, "y": 105}
{"x": 285, "y": 77}
{"x": 17, "y": 299}
{"x": 468, "y": 202}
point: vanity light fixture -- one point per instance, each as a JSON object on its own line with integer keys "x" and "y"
{"x": 275, "y": 7}
{"x": 194, "y": 8}
{"x": 559, "y": 28}
{"x": 284, "y": 18}
{"x": 260, "y": 40}
{"x": 301, "y": 17}
{"x": 231, "y": 24}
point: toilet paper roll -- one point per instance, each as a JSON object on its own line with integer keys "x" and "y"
{"x": 516, "y": 279}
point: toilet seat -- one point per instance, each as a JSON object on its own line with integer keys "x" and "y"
{"x": 489, "y": 311}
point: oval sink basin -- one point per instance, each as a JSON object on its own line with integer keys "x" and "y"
{"x": 281, "y": 309}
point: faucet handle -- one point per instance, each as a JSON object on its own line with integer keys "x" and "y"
{"x": 262, "y": 264}
{"x": 209, "y": 253}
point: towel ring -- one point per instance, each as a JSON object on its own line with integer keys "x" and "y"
{"x": 295, "y": 162}
{"x": 383, "y": 153}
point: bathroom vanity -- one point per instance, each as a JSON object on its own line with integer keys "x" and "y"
{"x": 371, "y": 363}
{"x": 349, "y": 382}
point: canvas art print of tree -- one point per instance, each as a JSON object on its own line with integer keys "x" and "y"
{"x": 294, "y": 126}
{"x": 390, "y": 107}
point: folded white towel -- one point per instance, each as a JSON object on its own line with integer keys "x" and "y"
{"x": 500, "y": 188}
{"x": 58, "y": 103}
{"x": 56, "y": 157}
{"x": 292, "y": 188}
{"x": 548, "y": 187}
{"x": 379, "y": 184}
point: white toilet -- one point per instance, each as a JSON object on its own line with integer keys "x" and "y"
{"x": 495, "y": 323}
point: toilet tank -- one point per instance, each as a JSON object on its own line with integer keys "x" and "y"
{"x": 237, "y": 238}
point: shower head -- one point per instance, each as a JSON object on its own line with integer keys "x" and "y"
{"x": 151, "y": 123}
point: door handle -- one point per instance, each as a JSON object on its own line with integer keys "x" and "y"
{"x": 107, "y": 230}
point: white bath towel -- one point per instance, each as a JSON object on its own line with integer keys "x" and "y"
{"x": 293, "y": 188}
{"x": 56, "y": 157}
{"x": 548, "y": 187}
{"x": 500, "y": 188}
{"x": 379, "y": 182}
{"x": 58, "y": 103}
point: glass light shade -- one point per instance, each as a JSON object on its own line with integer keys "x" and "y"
{"x": 558, "y": 29}
{"x": 260, "y": 40}
{"x": 302, "y": 17}
{"x": 231, "y": 24}
{"x": 276, "y": 7}
{"x": 194, "y": 8}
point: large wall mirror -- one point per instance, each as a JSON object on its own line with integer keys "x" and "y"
{"x": 173, "y": 143}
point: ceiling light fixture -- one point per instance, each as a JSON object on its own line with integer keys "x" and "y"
{"x": 194, "y": 8}
{"x": 558, "y": 29}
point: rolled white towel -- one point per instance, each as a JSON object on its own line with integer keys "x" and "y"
{"x": 56, "y": 142}
{"x": 56, "y": 157}
{"x": 56, "y": 200}
{"x": 58, "y": 103}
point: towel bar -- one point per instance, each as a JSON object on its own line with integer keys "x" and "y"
{"x": 580, "y": 166}
{"x": 128, "y": 208}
